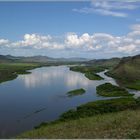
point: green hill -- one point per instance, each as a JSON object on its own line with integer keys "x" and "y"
{"x": 107, "y": 63}
{"x": 127, "y": 72}
{"x": 113, "y": 118}
{"x": 124, "y": 124}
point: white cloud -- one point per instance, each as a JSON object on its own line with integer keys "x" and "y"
{"x": 32, "y": 40}
{"x": 106, "y": 43}
{"x": 109, "y": 7}
{"x": 3, "y": 42}
{"x": 72, "y": 39}
{"x": 110, "y": 13}
{"x": 137, "y": 42}
{"x": 100, "y": 11}
{"x": 135, "y": 27}
{"x": 127, "y": 49}
{"x": 110, "y": 4}
{"x": 37, "y": 42}
{"x": 133, "y": 34}
{"x": 97, "y": 43}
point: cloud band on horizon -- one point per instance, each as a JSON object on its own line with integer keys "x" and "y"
{"x": 97, "y": 43}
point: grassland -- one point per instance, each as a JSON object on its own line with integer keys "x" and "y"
{"x": 109, "y": 90}
{"x": 84, "y": 69}
{"x": 121, "y": 125}
{"x": 76, "y": 92}
{"x": 97, "y": 107}
{"x": 89, "y": 71}
{"x": 9, "y": 71}
{"x": 134, "y": 85}
{"x": 114, "y": 118}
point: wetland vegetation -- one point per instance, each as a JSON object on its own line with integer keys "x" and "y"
{"x": 93, "y": 76}
{"x": 112, "y": 115}
{"x": 76, "y": 92}
{"x": 109, "y": 90}
{"x": 89, "y": 71}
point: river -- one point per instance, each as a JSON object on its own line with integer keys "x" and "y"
{"x": 41, "y": 96}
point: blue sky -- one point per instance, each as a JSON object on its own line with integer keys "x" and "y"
{"x": 95, "y": 29}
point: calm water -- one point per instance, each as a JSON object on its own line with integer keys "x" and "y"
{"x": 41, "y": 96}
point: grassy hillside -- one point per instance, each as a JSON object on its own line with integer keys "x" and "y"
{"x": 9, "y": 71}
{"x": 88, "y": 119}
{"x": 127, "y": 72}
{"x": 125, "y": 124}
{"x": 106, "y": 63}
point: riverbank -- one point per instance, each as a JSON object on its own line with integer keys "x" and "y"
{"x": 100, "y": 119}
{"x": 89, "y": 71}
{"x": 10, "y": 71}
{"x": 121, "y": 125}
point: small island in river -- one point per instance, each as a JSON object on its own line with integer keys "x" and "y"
{"x": 109, "y": 90}
{"x": 76, "y": 92}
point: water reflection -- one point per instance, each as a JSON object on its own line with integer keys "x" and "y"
{"x": 107, "y": 79}
{"x": 135, "y": 92}
{"x": 47, "y": 76}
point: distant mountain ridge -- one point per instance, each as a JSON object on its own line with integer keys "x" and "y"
{"x": 4, "y": 58}
{"x": 39, "y": 58}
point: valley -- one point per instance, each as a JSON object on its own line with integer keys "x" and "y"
{"x": 85, "y": 107}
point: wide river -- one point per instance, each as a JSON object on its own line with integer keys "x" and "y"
{"x": 41, "y": 96}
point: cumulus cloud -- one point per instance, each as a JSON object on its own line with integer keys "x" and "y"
{"x": 103, "y": 42}
{"x": 72, "y": 39}
{"x": 135, "y": 27}
{"x": 37, "y": 42}
{"x": 96, "y": 43}
{"x": 127, "y": 49}
{"x": 3, "y": 42}
{"x": 109, "y": 7}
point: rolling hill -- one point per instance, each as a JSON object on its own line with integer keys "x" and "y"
{"x": 119, "y": 125}
{"x": 127, "y": 72}
{"x": 108, "y": 63}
